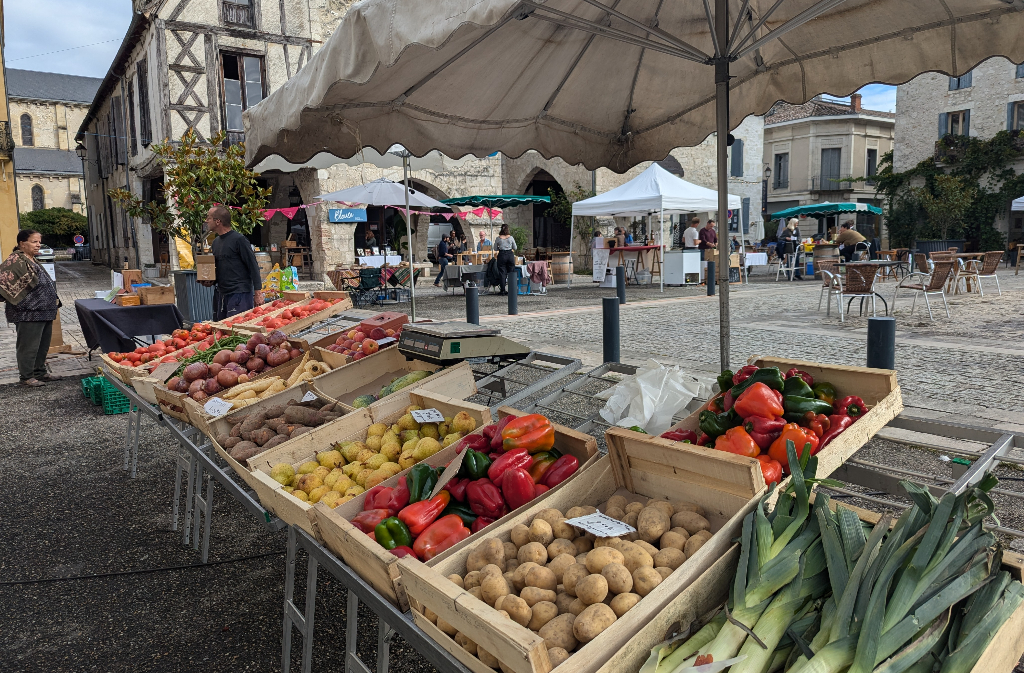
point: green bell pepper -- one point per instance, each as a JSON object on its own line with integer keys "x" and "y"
{"x": 474, "y": 465}
{"x": 391, "y": 533}
{"x": 462, "y": 510}
{"x": 796, "y": 387}
{"x": 421, "y": 481}
{"x": 714, "y": 425}
{"x": 796, "y": 407}
{"x": 825, "y": 392}
{"x": 725, "y": 380}
{"x": 770, "y": 376}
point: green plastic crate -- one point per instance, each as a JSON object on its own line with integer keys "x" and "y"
{"x": 114, "y": 401}
{"x": 92, "y": 388}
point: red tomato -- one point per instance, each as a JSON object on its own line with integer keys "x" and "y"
{"x": 179, "y": 343}
{"x": 188, "y": 352}
{"x": 116, "y": 357}
{"x": 168, "y": 358}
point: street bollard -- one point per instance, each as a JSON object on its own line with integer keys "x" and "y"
{"x": 620, "y": 284}
{"x": 473, "y": 304}
{"x": 513, "y": 293}
{"x": 882, "y": 343}
{"x": 611, "y": 328}
{"x": 709, "y": 277}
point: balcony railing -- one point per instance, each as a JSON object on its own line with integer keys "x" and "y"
{"x": 831, "y": 183}
{"x": 781, "y": 184}
{"x": 237, "y": 14}
{"x": 234, "y": 138}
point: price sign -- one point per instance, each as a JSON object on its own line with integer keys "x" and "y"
{"x": 449, "y": 472}
{"x": 164, "y": 371}
{"x": 601, "y": 525}
{"x": 309, "y": 396}
{"x": 217, "y": 407}
{"x": 428, "y": 416}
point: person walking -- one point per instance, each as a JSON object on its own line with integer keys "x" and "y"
{"x": 483, "y": 241}
{"x": 848, "y": 239}
{"x": 505, "y": 244}
{"x": 790, "y": 239}
{"x": 31, "y": 304}
{"x": 443, "y": 257}
{"x": 238, "y": 274}
{"x": 692, "y": 235}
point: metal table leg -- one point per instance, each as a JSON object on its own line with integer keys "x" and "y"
{"x": 132, "y": 416}
{"x": 292, "y": 617}
{"x": 180, "y": 466}
{"x": 135, "y": 442}
{"x": 203, "y": 510}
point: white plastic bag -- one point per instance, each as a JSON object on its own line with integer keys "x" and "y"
{"x": 650, "y": 398}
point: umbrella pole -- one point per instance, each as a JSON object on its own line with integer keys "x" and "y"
{"x": 661, "y": 267}
{"x": 572, "y": 232}
{"x": 408, "y": 230}
{"x": 722, "y": 117}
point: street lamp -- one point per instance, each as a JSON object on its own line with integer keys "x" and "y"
{"x": 81, "y": 151}
{"x": 767, "y": 172}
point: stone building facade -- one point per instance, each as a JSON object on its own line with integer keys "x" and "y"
{"x": 815, "y": 149}
{"x": 46, "y": 110}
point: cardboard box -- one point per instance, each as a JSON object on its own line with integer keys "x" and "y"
{"x": 295, "y": 295}
{"x": 161, "y": 294}
{"x": 206, "y": 267}
{"x": 127, "y": 300}
{"x": 387, "y": 320}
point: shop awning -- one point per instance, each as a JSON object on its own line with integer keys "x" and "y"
{"x": 1018, "y": 204}
{"x": 822, "y": 209}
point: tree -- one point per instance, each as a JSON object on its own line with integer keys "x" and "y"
{"x": 561, "y": 212}
{"x": 947, "y": 203}
{"x": 198, "y": 176}
{"x": 55, "y": 222}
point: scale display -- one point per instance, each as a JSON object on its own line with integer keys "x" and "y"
{"x": 451, "y": 342}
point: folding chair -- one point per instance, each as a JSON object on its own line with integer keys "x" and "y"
{"x": 369, "y": 290}
{"x": 860, "y": 282}
{"x": 936, "y": 284}
{"x": 631, "y": 272}
{"x": 788, "y": 266}
{"x": 987, "y": 270}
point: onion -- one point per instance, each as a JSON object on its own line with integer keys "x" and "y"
{"x": 182, "y": 386}
{"x": 241, "y": 356}
{"x": 196, "y": 370}
{"x": 173, "y": 383}
{"x": 295, "y": 353}
{"x": 199, "y": 396}
{"x": 212, "y": 387}
{"x": 278, "y": 356}
{"x": 222, "y": 357}
{"x": 258, "y": 338}
{"x": 196, "y": 385}
{"x": 255, "y": 364}
{"x": 227, "y": 378}
{"x": 276, "y": 338}
{"x": 215, "y": 369}
{"x": 242, "y": 347}
{"x": 262, "y": 351}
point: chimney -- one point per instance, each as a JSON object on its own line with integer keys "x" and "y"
{"x": 855, "y": 102}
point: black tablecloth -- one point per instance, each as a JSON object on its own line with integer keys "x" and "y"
{"x": 110, "y": 327}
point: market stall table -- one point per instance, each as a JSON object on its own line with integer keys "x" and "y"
{"x": 380, "y": 260}
{"x": 619, "y": 253}
{"x": 110, "y": 327}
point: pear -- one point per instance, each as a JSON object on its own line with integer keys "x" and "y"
{"x": 282, "y": 473}
{"x": 463, "y": 423}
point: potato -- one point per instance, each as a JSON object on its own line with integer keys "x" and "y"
{"x": 691, "y": 521}
{"x": 550, "y": 515}
{"x": 684, "y": 506}
{"x": 475, "y": 593}
{"x": 517, "y": 609}
{"x": 557, "y": 655}
{"x": 520, "y": 535}
{"x": 511, "y": 550}
{"x": 563, "y": 531}
{"x": 509, "y": 577}
{"x": 540, "y": 531}
{"x": 542, "y": 578}
{"x": 592, "y": 589}
{"x": 488, "y": 551}
{"x": 533, "y": 551}
{"x": 599, "y": 558}
{"x": 543, "y": 613}
{"x": 575, "y": 512}
{"x": 457, "y": 580}
{"x": 511, "y": 565}
{"x": 706, "y": 534}
{"x": 490, "y": 569}
{"x": 592, "y": 621}
{"x": 673, "y": 540}
{"x": 577, "y": 606}
{"x": 583, "y": 544}
{"x": 492, "y": 587}
{"x": 563, "y": 601}
{"x": 558, "y": 633}
{"x": 647, "y": 547}
{"x": 645, "y": 580}
{"x": 606, "y": 542}
{"x": 621, "y": 604}
{"x": 472, "y": 579}
{"x": 465, "y": 643}
{"x": 582, "y": 558}
{"x": 652, "y": 523}
{"x": 664, "y": 505}
{"x": 636, "y": 557}
{"x": 534, "y": 595}
{"x": 430, "y": 615}
{"x": 560, "y": 564}
{"x": 486, "y": 658}
{"x": 572, "y": 575}
{"x": 693, "y": 545}
{"x": 561, "y": 546}
{"x": 664, "y": 572}
{"x": 616, "y": 513}
{"x": 669, "y": 558}
{"x": 499, "y": 603}
{"x": 519, "y": 576}
{"x": 620, "y": 581}
{"x": 615, "y": 501}
{"x": 446, "y": 627}
{"x": 633, "y": 508}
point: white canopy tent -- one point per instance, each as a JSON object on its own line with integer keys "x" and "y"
{"x": 653, "y": 191}
{"x": 1018, "y": 204}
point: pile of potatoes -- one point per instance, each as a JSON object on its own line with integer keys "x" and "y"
{"x": 569, "y": 586}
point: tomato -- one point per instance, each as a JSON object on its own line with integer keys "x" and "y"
{"x": 168, "y": 358}
{"x": 202, "y": 346}
{"x": 145, "y": 358}
{"x": 179, "y": 343}
{"x": 116, "y": 357}
{"x": 188, "y": 352}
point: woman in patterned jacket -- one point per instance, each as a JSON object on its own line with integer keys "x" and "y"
{"x": 31, "y": 306}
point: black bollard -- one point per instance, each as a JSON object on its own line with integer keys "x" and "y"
{"x": 882, "y": 343}
{"x": 611, "y": 328}
{"x": 620, "y": 284}
{"x": 473, "y": 304}
{"x": 709, "y": 278}
{"x": 513, "y": 293}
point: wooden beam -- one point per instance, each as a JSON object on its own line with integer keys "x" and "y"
{"x": 240, "y": 33}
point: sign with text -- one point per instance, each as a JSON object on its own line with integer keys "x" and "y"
{"x": 217, "y": 407}
{"x": 601, "y": 525}
{"x": 347, "y": 214}
{"x": 449, "y": 472}
{"x": 309, "y": 396}
{"x": 428, "y": 416}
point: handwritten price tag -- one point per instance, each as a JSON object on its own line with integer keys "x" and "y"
{"x": 217, "y": 407}
{"x": 449, "y": 473}
{"x": 309, "y": 396}
{"x": 601, "y": 525}
{"x": 428, "y": 416}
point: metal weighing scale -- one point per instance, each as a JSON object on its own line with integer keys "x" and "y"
{"x": 446, "y": 343}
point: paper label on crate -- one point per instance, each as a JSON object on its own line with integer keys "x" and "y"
{"x": 164, "y": 371}
{"x": 309, "y": 396}
{"x": 601, "y": 525}
{"x": 217, "y": 407}
{"x": 428, "y": 416}
{"x": 385, "y": 341}
{"x": 449, "y": 472}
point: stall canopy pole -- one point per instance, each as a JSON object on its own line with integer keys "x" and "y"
{"x": 408, "y": 231}
{"x": 572, "y": 232}
{"x": 721, "y": 61}
{"x": 661, "y": 267}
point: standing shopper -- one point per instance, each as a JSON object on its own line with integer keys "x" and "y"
{"x": 238, "y": 274}
{"x": 790, "y": 239}
{"x": 505, "y": 244}
{"x": 31, "y": 306}
{"x": 443, "y": 257}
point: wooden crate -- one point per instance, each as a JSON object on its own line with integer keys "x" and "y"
{"x": 688, "y": 610}
{"x": 306, "y": 446}
{"x": 378, "y": 566}
{"x": 298, "y": 325}
{"x": 163, "y": 294}
{"x": 125, "y": 374}
{"x": 631, "y": 471}
{"x": 171, "y": 402}
{"x": 877, "y": 387}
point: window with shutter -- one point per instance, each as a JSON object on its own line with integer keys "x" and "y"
{"x": 1015, "y": 116}
{"x": 145, "y": 128}
{"x": 131, "y": 120}
{"x": 871, "y": 170}
{"x": 781, "y": 171}
{"x": 243, "y": 88}
{"x": 831, "y": 160}
{"x": 961, "y": 82}
{"x": 120, "y": 137}
{"x": 737, "y": 159}
{"x": 746, "y": 215}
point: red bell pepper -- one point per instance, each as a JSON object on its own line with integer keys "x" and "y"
{"x": 498, "y": 429}
{"x": 403, "y": 551}
{"x": 475, "y": 442}
{"x": 837, "y": 423}
{"x": 488, "y": 432}
{"x": 538, "y": 489}
{"x": 802, "y": 374}
{"x": 562, "y": 469}
{"x": 687, "y": 436}
{"x": 377, "y": 498}
{"x": 771, "y": 469}
{"x": 541, "y": 462}
{"x": 743, "y": 374}
{"x": 485, "y": 499}
{"x": 517, "y": 487}
{"x": 419, "y": 515}
{"x": 507, "y": 461}
{"x": 481, "y": 523}
{"x": 440, "y": 535}
{"x": 532, "y": 432}
{"x": 457, "y": 488}
{"x": 759, "y": 400}
{"x": 851, "y": 406}
{"x": 817, "y": 423}
{"x": 764, "y": 431}
{"x": 704, "y": 439}
{"x": 399, "y": 496}
{"x": 727, "y": 400}
{"x": 736, "y": 440}
{"x": 367, "y": 520}
{"x": 800, "y": 437}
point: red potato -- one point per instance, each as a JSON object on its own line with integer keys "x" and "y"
{"x": 227, "y": 378}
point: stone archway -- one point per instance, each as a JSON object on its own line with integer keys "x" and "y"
{"x": 531, "y": 173}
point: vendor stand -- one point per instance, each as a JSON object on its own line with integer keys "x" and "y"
{"x": 112, "y": 328}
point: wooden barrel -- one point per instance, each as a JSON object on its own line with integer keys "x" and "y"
{"x": 561, "y": 268}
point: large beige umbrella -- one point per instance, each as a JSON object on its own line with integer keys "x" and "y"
{"x": 605, "y": 83}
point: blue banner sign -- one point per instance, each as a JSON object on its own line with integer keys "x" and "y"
{"x": 347, "y": 214}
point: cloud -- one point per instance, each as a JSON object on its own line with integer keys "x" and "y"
{"x": 881, "y": 97}
{"x": 33, "y": 27}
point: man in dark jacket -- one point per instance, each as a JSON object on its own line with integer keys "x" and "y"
{"x": 238, "y": 274}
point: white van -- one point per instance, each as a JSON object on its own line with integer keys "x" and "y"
{"x": 434, "y": 234}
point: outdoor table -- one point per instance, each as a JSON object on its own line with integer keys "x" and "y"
{"x": 111, "y": 327}
{"x": 968, "y": 256}
{"x": 380, "y": 260}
